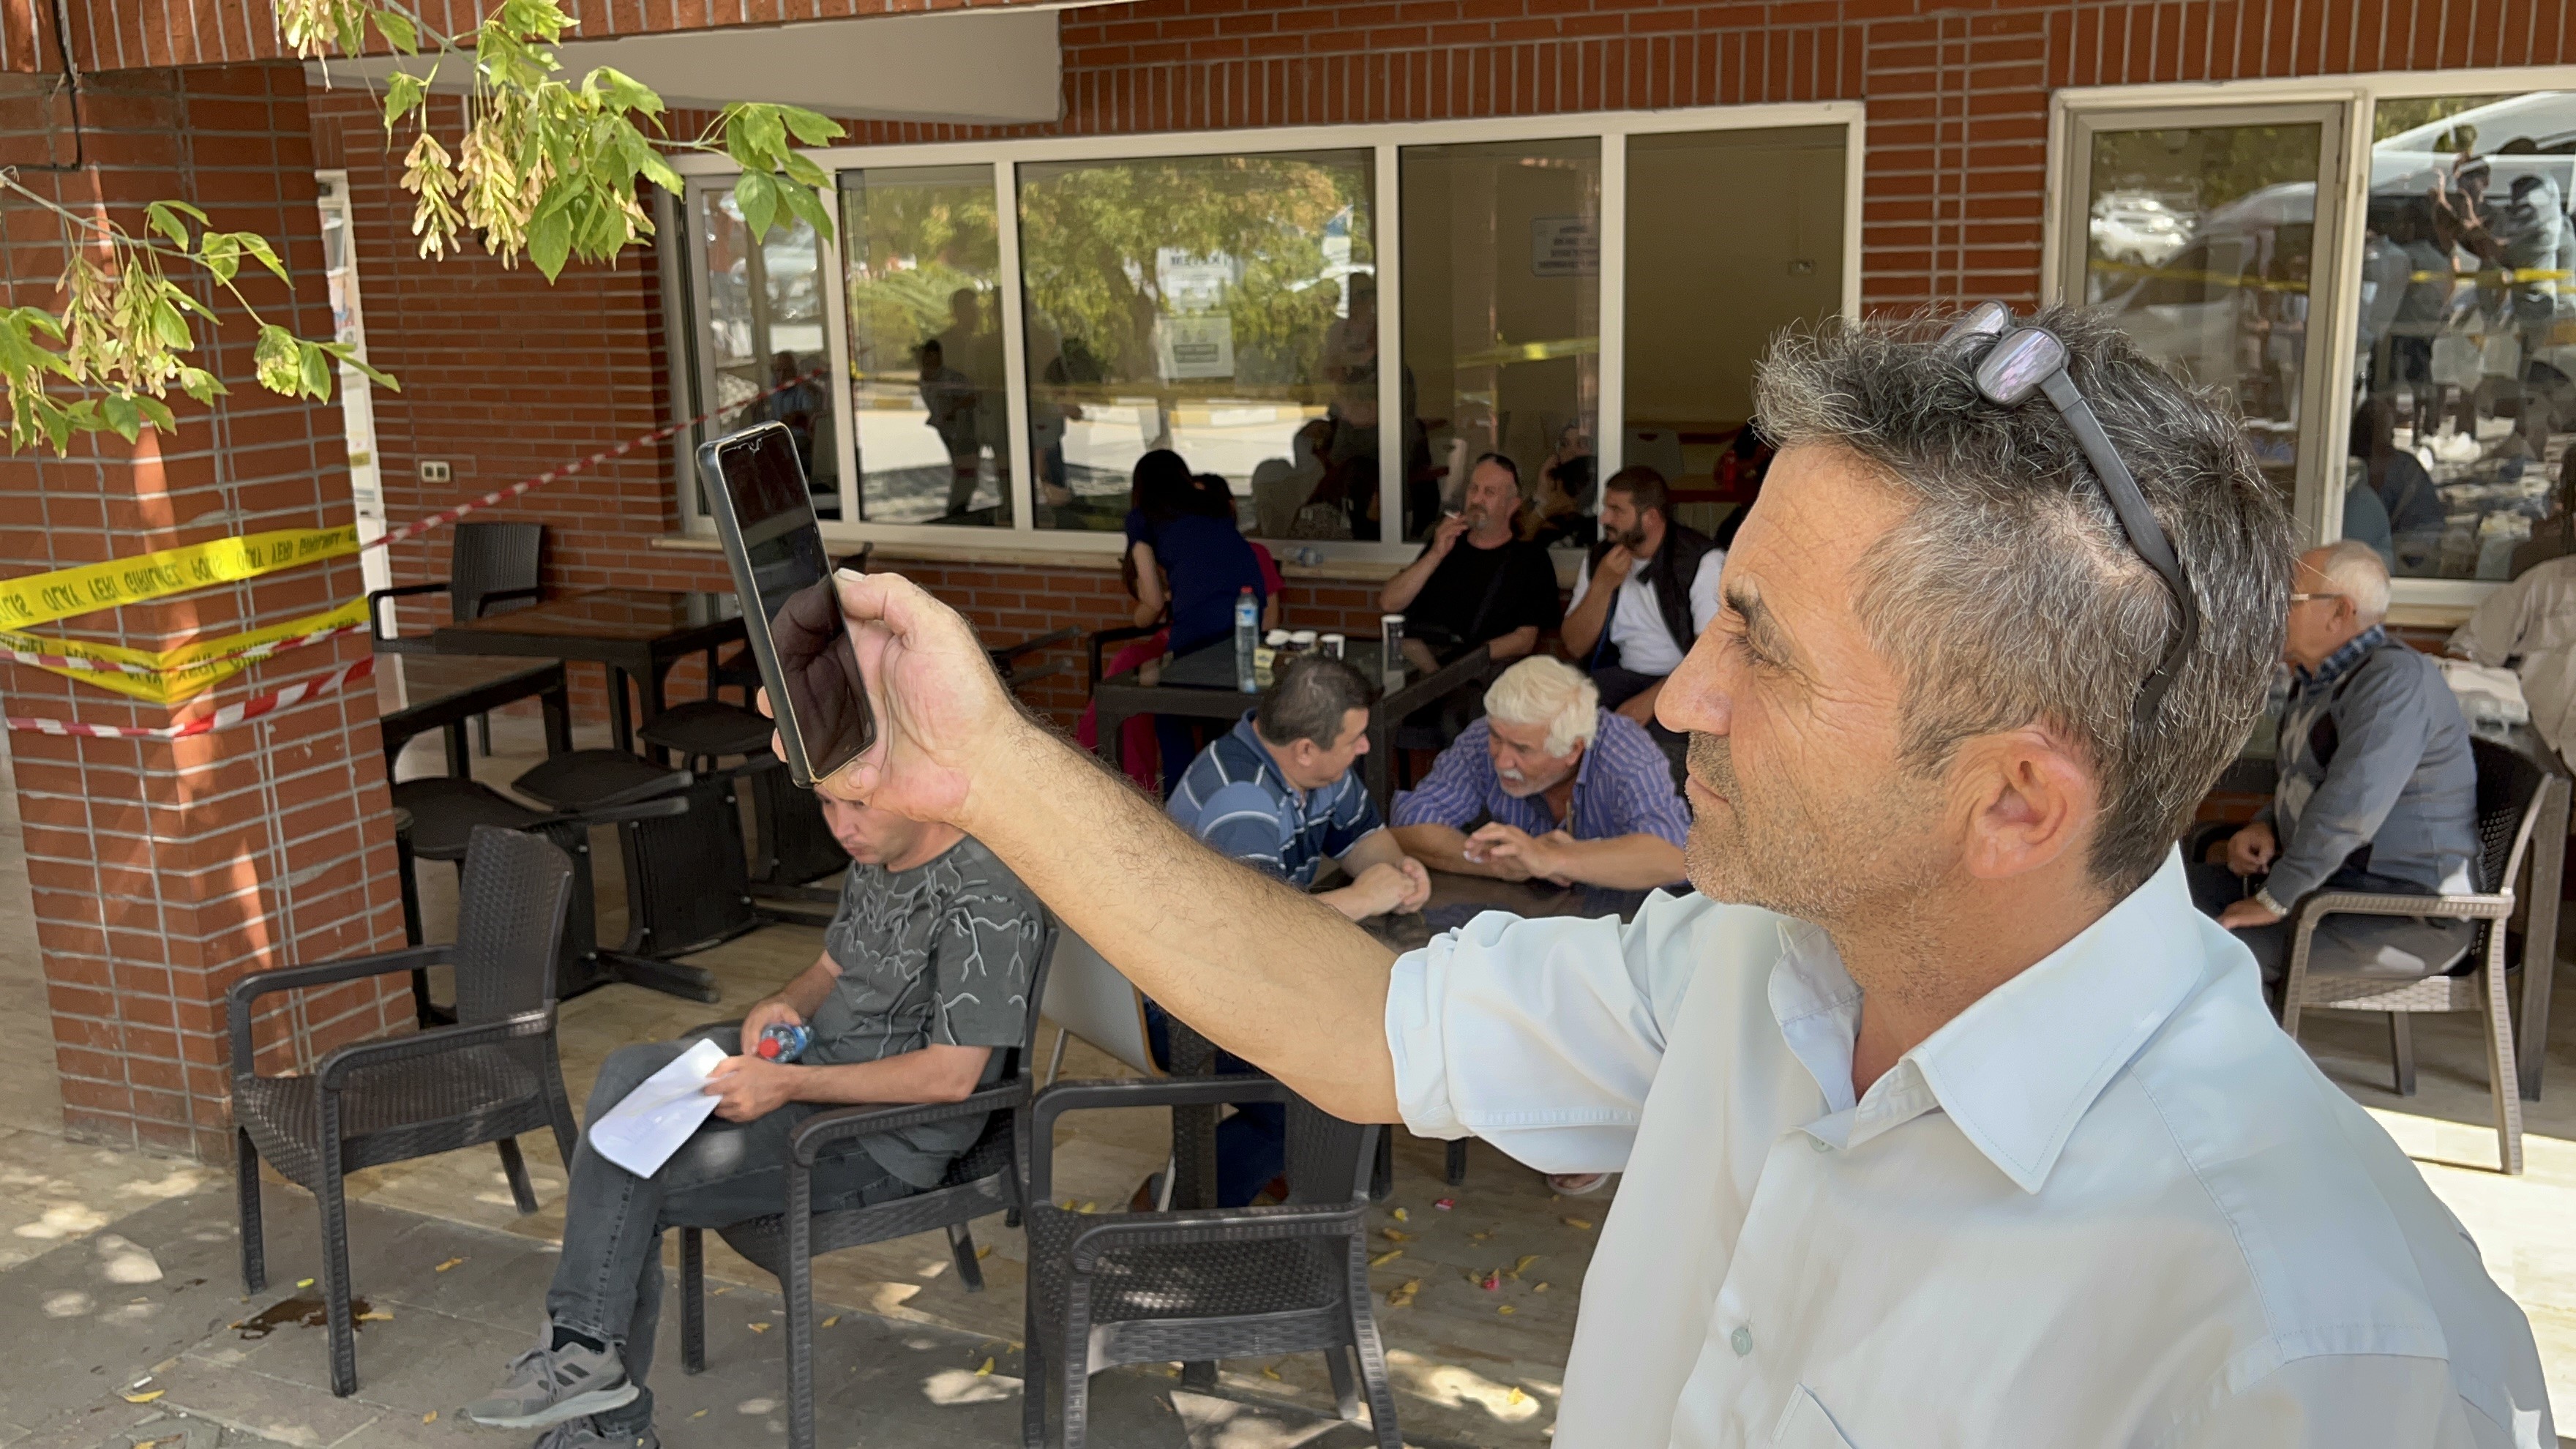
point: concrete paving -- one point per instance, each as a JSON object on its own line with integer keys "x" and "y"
{"x": 137, "y": 1334}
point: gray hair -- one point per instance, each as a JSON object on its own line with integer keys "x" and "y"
{"x": 2010, "y": 596}
{"x": 1550, "y": 692}
{"x": 2357, "y": 572}
{"x": 1309, "y": 699}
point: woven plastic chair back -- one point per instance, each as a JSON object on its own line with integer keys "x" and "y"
{"x": 509, "y": 911}
{"x": 486, "y": 558}
{"x": 1328, "y": 1158}
{"x": 2508, "y": 789}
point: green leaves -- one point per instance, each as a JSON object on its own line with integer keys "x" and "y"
{"x": 776, "y": 178}
{"x": 404, "y": 93}
{"x": 292, "y": 367}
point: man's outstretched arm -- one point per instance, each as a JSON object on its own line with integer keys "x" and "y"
{"x": 1257, "y": 967}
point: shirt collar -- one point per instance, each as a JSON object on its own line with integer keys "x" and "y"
{"x": 2338, "y": 664}
{"x": 1264, "y": 767}
{"x": 2019, "y": 1068}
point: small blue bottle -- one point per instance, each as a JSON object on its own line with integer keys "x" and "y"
{"x": 1247, "y": 637}
{"x": 784, "y": 1041}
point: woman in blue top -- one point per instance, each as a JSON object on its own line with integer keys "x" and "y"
{"x": 1188, "y": 555}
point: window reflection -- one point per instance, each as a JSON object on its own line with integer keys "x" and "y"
{"x": 2467, "y": 336}
{"x": 1219, "y": 306}
{"x": 765, "y": 336}
{"x": 1502, "y": 309}
{"x": 921, "y": 259}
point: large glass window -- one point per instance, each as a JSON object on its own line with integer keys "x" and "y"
{"x": 1220, "y": 306}
{"x": 1732, "y": 236}
{"x": 921, "y": 262}
{"x": 2466, "y": 377}
{"x": 2201, "y": 240}
{"x": 765, "y": 336}
{"x": 1502, "y": 313}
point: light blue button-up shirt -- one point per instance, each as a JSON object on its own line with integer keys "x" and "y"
{"x": 2108, "y": 1204}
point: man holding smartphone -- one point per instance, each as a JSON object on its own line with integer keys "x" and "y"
{"x": 924, "y": 973}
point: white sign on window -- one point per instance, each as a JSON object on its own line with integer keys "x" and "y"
{"x": 1196, "y": 347}
{"x": 1564, "y": 246}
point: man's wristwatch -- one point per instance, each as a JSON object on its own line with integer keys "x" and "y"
{"x": 2264, "y": 899}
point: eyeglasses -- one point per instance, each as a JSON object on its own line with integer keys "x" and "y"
{"x": 2017, "y": 361}
{"x": 2312, "y": 598}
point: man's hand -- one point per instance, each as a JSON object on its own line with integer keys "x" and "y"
{"x": 1548, "y": 857}
{"x": 2247, "y": 912}
{"x": 1417, "y": 885}
{"x": 746, "y": 1087}
{"x": 1386, "y": 887}
{"x": 1501, "y": 849}
{"x": 939, "y": 706}
{"x": 764, "y": 1013}
{"x": 1446, "y": 533}
{"x": 2251, "y": 850}
{"x": 1612, "y": 571}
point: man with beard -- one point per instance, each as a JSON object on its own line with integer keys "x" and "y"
{"x": 1644, "y": 596}
{"x": 1945, "y": 1118}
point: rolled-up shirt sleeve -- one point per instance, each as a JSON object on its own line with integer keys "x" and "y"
{"x": 1540, "y": 1036}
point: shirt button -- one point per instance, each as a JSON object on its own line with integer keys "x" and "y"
{"x": 1741, "y": 1340}
{"x": 1820, "y": 1144}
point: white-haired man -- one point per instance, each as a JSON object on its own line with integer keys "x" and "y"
{"x": 1945, "y": 1118}
{"x": 1548, "y": 785}
{"x": 2377, "y": 791}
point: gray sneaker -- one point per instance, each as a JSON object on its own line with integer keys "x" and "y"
{"x": 584, "y": 1434}
{"x": 548, "y": 1386}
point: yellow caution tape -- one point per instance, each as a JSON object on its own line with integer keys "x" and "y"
{"x": 174, "y": 674}
{"x": 43, "y": 598}
{"x": 1504, "y": 353}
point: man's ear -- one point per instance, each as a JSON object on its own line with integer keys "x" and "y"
{"x": 2029, "y": 800}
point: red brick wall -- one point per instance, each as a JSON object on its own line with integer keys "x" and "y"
{"x": 163, "y": 871}
{"x": 504, "y": 375}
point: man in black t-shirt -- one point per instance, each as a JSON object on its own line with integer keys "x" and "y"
{"x": 1499, "y": 589}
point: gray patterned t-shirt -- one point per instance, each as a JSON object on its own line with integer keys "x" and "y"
{"x": 939, "y": 955}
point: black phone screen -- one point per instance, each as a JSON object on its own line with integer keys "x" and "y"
{"x": 808, "y": 664}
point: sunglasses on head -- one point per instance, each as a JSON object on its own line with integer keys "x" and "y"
{"x": 2011, "y": 362}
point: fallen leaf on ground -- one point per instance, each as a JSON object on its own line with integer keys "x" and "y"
{"x": 1393, "y": 1235}
{"x": 303, "y": 1282}
{"x": 983, "y": 1252}
{"x": 145, "y": 1397}
{"x": 1580, "y": 1225}
{"x": 430, "y": 1418}
{"x": 1516, "y": 1397}
{"x": 1399, "y": 1215}
{"x": 828, "y": 1322}
{"x": 1268, "y": 1372}
{"x": 1480, "y": 1237}
{"x": 1389, "y": 1256}
{"x": 1402, "y": 1295}
{"x": 700, "y": 1414}
{"x": 762, "y": 1327}
{"x": 1523, "y": 1265}
{"x": 1505, "y": 1309}
{"x": 450, "y": 1263}
{"x": 372, "y": 1316}
{"x": 1089, "y": 1207}
{"x": 1541, "y": 1288}
{"x": 984, "y": 1369}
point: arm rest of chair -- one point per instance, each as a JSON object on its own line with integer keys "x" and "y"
{"x": 376, "y": 599}
{"x": 2313, "y": 908}
{"x": 530, "y": 594}
{"x": 1102, "y": 639}
{"x": 661, "y": 808}
{"x": 1215, "y": 1225}
{"x": 1055, "y": 1101}
{"x": 296, "y": 978}
{"x": 1003, "y": 654}
{"x": 338, "y": 1066}
{"x": 824, "y": 1128}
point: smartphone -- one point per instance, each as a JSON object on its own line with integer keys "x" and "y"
{"x": 792, "y": 617}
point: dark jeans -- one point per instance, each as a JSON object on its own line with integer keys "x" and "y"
{"x": 1251, "y": 1145}
{"x": 608, "y": 1284}
{"x": 2393, "y": 947}
{"x": 1618, "y": 686}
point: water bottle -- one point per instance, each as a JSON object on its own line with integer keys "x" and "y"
{"x": 784, "y": 1041}
{"x": 1247, "y": 637}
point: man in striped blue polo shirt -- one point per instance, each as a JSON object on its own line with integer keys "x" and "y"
{"x": 1280, "y": 792}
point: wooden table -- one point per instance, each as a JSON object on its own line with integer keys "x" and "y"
{"x": 417, "y": 693}
{"x": 1201, "y": 685}
{"x": 2253, "y": 774}
{"x": 637, "y": 633}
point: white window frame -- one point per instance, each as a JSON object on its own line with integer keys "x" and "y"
{"x": 684, "y": 299}
{"x": 2333, "y": 371}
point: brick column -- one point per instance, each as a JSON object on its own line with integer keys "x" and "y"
{"x": 164, "y": 871}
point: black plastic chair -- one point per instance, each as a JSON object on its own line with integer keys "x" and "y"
{"x": 793, "y": 845}
{"x": 982, "y": 1181}
{"x": 492, "y": 568}
{"x": 488, "y": 1078}
{"x": 1205, "y": 1283}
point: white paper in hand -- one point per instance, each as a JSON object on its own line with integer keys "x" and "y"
{"x": 641, "y": 1132}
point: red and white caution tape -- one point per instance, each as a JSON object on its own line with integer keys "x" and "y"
{"x": 249, "y": 654}
{"x": 223, "y": 718}
{"x": 419, "y": 526}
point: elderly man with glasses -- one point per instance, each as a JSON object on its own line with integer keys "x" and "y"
{"x": 2377, "y": 789}
{"x": 1945, "y": 1118}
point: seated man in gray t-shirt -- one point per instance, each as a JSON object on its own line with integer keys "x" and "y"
{"x": 924, "y": 974}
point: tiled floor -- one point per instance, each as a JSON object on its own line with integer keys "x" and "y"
{"x": 1466, "y": 1372}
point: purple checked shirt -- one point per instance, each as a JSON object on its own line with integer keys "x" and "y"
{"x": 1624, "y": 786}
